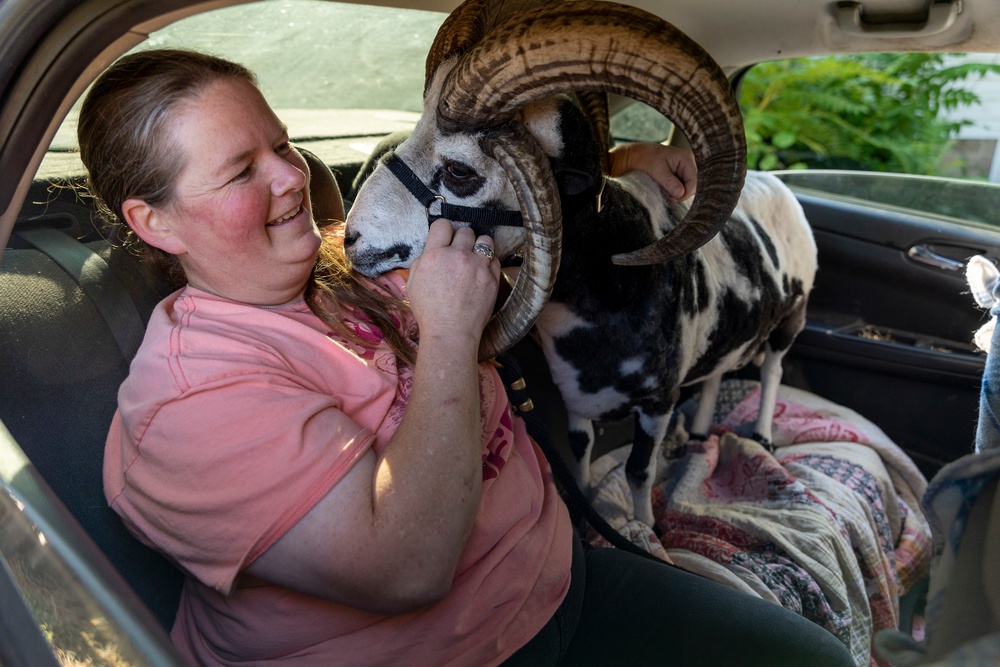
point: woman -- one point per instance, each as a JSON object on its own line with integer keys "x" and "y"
{"x": 333, "y": 496}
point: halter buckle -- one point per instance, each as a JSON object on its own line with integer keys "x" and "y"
{"x": 441, "y": 199}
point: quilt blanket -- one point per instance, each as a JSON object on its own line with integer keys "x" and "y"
{"x": 830, "y": 525}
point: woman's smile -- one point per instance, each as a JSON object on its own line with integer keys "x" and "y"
{"x": 241, "y": 183}
{"x": 288, "y": 217}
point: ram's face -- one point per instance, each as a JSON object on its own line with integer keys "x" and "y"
{"x": 387, "y": 225}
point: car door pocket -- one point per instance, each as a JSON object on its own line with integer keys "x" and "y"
{"x": 887, "y": 349}
{"x": 923, "y": 391}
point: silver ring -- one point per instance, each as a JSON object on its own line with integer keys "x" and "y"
{"x": 483, "y": 249}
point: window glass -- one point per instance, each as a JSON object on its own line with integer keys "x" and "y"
{"x": 328, "y": 69}
{"x": 635, "y": 121}
{"x": 318, "y": 55}
{"x": 968, "y": 200}
{"x": 910, "y": 130}
{"x": 66, "y": 615}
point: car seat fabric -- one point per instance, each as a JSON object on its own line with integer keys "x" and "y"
{"x": 62, "y": 368}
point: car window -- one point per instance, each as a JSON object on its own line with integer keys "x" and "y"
{"x": 67, "y": 617}
{"x": 913, "y": 131}
{"x": 328, "y": 69}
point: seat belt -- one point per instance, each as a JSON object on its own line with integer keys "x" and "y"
{"x": 95, "y": 278}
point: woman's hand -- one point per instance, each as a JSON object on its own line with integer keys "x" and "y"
{"x": 388, "y": 537}
{"x": 672, "y": 167}
{"x": 452, "y": 290}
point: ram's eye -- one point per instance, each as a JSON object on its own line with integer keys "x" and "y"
{"x": 459, "y": 171}
{"x": 459, "y": 179}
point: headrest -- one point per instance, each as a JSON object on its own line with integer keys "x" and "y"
{"x": 388, "y": 143}
{"x": 324, "y": 193}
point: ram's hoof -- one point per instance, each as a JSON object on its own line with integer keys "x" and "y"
{"x": 765, "y": 442}
{"x": 675, "y": 452}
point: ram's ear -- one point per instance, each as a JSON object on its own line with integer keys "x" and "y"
{"x": 571, "y": 180}
{"x": 578, "y": 164}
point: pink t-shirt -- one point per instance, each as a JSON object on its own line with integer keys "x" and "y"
{"x": 235, "y": 420}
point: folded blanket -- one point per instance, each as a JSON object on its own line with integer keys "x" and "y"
{"x": 962, "y": 504}
{"x": 829, "y": 526}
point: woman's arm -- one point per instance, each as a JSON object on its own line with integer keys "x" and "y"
{"x": 387, "y": 538}
{"x": 672, "y": 167}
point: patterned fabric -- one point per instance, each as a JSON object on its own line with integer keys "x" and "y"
{"x": 829, "y": 526}
{"x": 962, "y": 504}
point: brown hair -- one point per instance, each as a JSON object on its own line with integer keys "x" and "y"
{"x": 124, "y": 136}
{"x": 124, "y": 133}
{"x": 335, "y": 288}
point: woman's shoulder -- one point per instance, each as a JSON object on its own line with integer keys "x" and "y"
{"x": 197, "y": 338}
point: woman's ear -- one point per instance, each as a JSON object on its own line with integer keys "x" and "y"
{"x": 152, "y": 226}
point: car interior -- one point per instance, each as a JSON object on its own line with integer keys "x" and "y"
{"x": 888, "y": 335}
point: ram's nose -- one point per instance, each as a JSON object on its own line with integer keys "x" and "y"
{"x": 351, "y": 237}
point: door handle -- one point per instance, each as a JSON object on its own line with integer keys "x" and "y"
{"x": 940, "y": 16}
{"x": 924, "y": 255}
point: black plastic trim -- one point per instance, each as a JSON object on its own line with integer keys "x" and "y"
{"x": 919, "y": 360}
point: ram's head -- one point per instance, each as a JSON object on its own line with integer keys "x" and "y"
{"x": 473, "y": 149}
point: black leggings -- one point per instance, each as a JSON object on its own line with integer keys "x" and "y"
{"x": 623, "y": 609}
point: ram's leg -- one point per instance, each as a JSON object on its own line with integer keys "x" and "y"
{"x": 581, "y": 443}
{"x": 770, "y": 380}
{"x": 640, "y": 468}
{"x": 706, "y": 408}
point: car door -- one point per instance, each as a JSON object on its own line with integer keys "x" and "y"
{"x": 891, "y": 318}
{"x": 891, "y": 156}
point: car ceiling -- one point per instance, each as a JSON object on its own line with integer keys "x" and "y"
{"x": 795, "y": 28}
{"x": 779, "y": 29}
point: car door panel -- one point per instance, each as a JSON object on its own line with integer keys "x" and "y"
{"x": 890, "y": 335}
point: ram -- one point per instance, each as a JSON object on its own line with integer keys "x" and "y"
{"x": 631, "y": 296}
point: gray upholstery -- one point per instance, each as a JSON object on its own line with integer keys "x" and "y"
{"x": 61, "y": 370}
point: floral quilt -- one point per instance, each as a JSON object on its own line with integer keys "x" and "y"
{"x": 830, "y": 525}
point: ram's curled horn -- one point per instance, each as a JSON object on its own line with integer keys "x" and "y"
{"x": 473, "y": 19}
{"x": 467, "y": 25}
{"x": 589, "y": 45}
{"x": 528, "y": 167}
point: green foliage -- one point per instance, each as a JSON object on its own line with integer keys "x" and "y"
{"x": 874, "y": 112}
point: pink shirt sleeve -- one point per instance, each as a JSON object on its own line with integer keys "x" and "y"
{"x": 223, "y": 440}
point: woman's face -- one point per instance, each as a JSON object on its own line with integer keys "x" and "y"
{"x": 241, "y": 222}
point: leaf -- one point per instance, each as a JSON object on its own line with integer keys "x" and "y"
{"x": 768, "y": 162}
{"x": 783, "y": 140}
{"x": 882, "y": 112}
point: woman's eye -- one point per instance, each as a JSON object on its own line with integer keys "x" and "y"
{"x": 243, "y": 175}
{"x": 283, "y": 148}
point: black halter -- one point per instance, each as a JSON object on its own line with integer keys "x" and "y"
{"x": 482, "y": 220}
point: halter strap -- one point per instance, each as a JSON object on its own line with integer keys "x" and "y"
{"x": 480, "y": 219}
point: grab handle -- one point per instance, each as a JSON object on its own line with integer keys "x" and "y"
{"x": 940, "y": 16}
